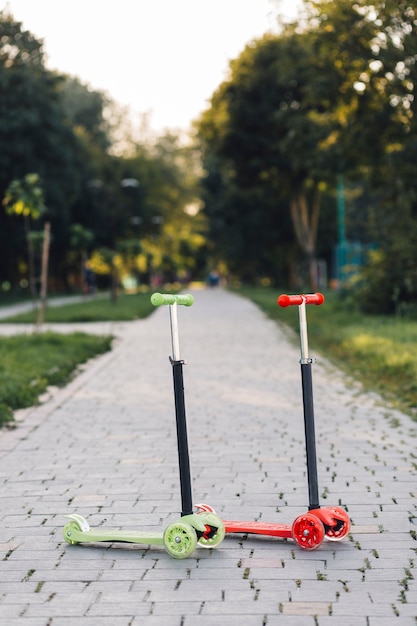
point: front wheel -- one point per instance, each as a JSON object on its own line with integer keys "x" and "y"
{"x": 180, "y": 540}
{"x": 341, "y": 524}
{"x": 215, "y": 531}
{"x": 308, "y": 531}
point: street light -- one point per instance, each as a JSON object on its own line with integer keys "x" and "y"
{"x": 110, "y": 203}
{"x": 129, "y": 182}
{"x": 341, "y": 228}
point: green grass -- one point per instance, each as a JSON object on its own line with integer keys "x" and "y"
{"x": 379, "y": 351}
{"x": 31, "y": 363}
{"x": 127, "y": 307}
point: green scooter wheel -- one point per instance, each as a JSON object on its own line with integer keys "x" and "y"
{"x": 67, "y": 532}
{"x": 180, "y": 540}
{"x": 215, "y": 531}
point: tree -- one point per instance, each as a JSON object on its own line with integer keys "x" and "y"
{"x": 58, "y": 127}
{"x": 25, "y": 197}
{"x": 85, "y": 108}
{"x": 81, "y": 239}
{"x": 35, "y": 136}
{"x": 330, "y": 95}
{"x": 163, "y": 212}
{"x": 382, "y": 126}
{"x": 263, "y": 148}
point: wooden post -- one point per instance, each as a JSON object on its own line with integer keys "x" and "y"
{"x": 44, "y": 273}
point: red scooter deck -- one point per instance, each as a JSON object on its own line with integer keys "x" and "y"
{"x": 308, "y": 530}
{"x": 258, "y": 528}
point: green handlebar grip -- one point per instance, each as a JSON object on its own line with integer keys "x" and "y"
{"x": 158, "y": 299}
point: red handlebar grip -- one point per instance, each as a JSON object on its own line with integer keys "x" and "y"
{"x": 310, "y": 298}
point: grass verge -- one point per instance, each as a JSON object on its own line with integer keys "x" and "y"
{"x": 379, "y": 351}
{"x": 31, "y": 363}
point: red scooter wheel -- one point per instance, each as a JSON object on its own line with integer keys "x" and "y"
{"x": 341, "y": 524}
{"x": 308, "y": 531}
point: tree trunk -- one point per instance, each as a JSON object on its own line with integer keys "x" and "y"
{"x": 305, "y": 220}
{"x": 31, "y": 262}
{"x": 44, "y": 273}
{"x": 114, "y": 285}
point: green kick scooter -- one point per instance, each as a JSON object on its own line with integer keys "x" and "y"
{"x": 200, "y": 528}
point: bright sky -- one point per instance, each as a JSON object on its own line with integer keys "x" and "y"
{"x": 162, "y": 57}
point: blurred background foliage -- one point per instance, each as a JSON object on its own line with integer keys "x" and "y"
{"x": 300, "y": 172}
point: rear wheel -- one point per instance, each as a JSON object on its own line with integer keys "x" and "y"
{"x": 68, "y": 532}
{"x": 308, "y": 531}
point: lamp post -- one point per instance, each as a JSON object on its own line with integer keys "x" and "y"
{"x": 129, "y": 182}
{"x": 156, "y": 221}
{"x": 341, "y": 228}
{"x": 98, "y": 184}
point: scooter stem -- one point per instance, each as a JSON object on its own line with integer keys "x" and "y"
{"x": 307, "y": 387}
{"x": 173, "y": 315}
{"x": 303, "y": 332}
{"x": 310, "y": 437}
{"x": 173, "y": 300}
{"x": 308, "y": 406}
{"x": 182, "y": 437}
{"x": 182, "y": 440}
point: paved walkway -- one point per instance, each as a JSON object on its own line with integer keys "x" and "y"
{"x": 104, "y": 447}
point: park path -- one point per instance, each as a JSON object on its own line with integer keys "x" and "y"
{"x": 104, "y": 447}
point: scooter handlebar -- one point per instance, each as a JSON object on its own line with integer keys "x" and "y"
{"x": 310, "y": 298}
{"x": 158, "y": 299}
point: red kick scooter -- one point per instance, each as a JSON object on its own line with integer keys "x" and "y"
{"x": 310, "y": 529}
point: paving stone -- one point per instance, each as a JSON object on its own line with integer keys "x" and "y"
{"x": 104, "y": 447}
{"x": 305, "y": 608}
{"x": 17, "y": 621}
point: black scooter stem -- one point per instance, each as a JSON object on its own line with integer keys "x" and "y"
{"x": 310, "y": 437}
{"x": 182, "y": 439}
{"x": 301, "y": 300}
{"x": 173, "y": 300}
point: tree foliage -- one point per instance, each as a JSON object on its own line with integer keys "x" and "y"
{"x": 25, "y": 197}
{"x": 384, "y": 131}
{"x": 333, "y": 93}
{"x": 35, "y": 136}
{"x": 268, "y": 134}
{"x": 57, "y": 127}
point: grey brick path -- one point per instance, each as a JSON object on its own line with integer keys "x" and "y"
{"x": 104, "y": 447}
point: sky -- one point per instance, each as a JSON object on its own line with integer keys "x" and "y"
{"x": 163, "y": 58}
